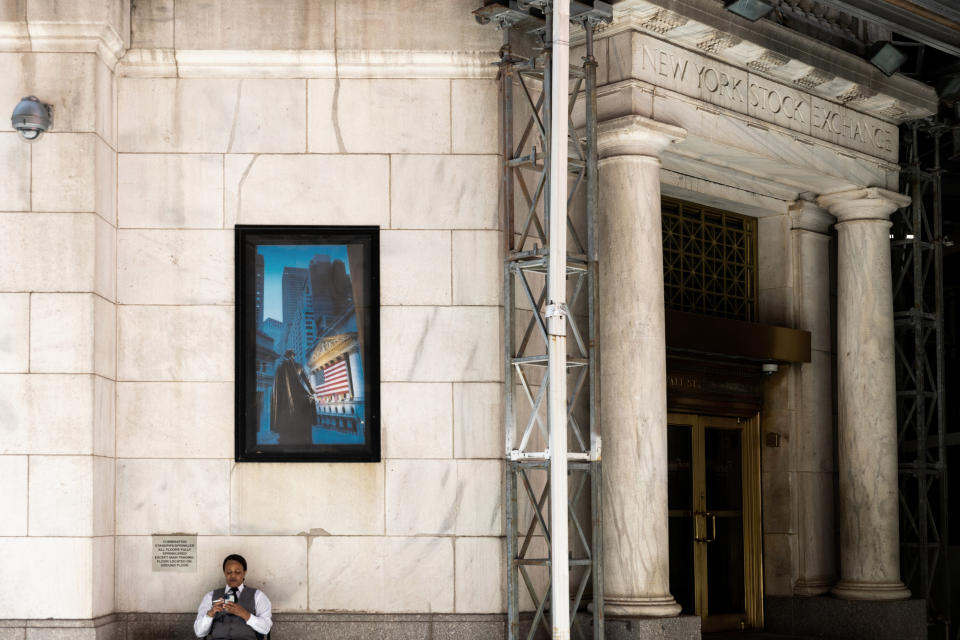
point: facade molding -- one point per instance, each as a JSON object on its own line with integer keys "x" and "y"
{"x": 103, "y": 39}
{"x": 172, "y": 63}
{"x": 776, "y": 53}
{"x": 724, "y": 146}
{"x": 417, "y": 64}
{"x": 623, "y": 97}
{"x": 639, "y": 59}
{"x": 63, "y": 37}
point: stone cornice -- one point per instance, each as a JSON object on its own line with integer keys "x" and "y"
{"x": 777, "y": 53}
{"x": 70, "y": 37}
{"x": 308, "y": 64}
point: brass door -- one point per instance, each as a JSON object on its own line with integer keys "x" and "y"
{"x": 714, "y": 502}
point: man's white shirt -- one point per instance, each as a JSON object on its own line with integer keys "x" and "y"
{"x": 261, "y": 619}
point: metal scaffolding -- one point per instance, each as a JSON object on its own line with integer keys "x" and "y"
{"x": 917, "y": 252}
{"x": 550, "y": 291}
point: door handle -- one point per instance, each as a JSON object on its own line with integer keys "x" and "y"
{"x": 705, "y": 515}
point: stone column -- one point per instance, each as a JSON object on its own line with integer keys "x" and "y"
{"x": 867, "y": 438}
{"x": 816, "y": 572}
{"x": 633, "y": 368}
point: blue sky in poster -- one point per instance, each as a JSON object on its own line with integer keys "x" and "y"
{"x": 278, "y": 256}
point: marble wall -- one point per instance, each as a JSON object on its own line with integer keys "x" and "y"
{"x": 116, "y": 340}
{"x": 198, "y": 155}
{"x": 58, "y": 320}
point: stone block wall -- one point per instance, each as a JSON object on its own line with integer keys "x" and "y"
{"x": 409, "y": 150}
{"x": 198, "y": 155}
{"x": 58, "y": 313}
{"x": 117, "y": 304}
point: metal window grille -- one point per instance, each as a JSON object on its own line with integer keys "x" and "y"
{"x": 709, "y": 261}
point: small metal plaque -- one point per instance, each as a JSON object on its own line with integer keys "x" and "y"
{"x": 175, "y": 553}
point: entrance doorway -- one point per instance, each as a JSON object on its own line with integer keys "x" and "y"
{"x": 714, "y": 502}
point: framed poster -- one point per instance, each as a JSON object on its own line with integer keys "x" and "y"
{"x": 308, "y": 344}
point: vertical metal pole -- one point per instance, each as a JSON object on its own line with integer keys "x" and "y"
{"x": 596, "y": 509}
{"x": 513, "y": 578}
{"x": 557, "y": 321}
{"x": 944, "y": 520}
{"x": 593, "y": 192}
{"x": 919, "y": 371}
{"x": 506, "y": 204}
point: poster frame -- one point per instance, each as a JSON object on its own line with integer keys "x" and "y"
{"x": 248, "y": 410}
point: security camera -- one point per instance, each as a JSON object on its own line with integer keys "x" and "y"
{"x": 31, "y": 118}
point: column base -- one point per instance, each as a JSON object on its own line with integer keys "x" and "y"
{"x": 850, "y": 590}
{"x": 645, "y": 607}
{"x": 812, "y": 587}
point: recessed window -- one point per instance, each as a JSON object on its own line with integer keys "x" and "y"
{"x": 709, "y": 261}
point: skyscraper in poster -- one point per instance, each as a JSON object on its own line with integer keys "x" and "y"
{"x": 292, "y": 283}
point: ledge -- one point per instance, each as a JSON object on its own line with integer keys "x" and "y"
{"x": 79, "y": 37}
{"x": 176, "y": 63}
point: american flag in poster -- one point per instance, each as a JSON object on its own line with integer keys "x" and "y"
{"x": 335, "y": 380}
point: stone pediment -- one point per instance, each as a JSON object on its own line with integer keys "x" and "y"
{"x": 772, "y": 52}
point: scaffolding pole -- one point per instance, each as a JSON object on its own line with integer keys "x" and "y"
{"x": 552, "y": 444}
{"x": 917, "y": 252}
{"x": 558, "y": 17}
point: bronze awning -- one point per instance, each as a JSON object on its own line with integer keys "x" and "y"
{"x": 691, "y": 332}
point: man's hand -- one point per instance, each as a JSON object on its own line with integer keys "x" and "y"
{"x": 217, "y": 607}
{"x": 236, "y": 609}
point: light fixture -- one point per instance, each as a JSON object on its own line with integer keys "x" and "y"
{"x": 752, "y": 10}
{"x": 31, "y": 118}
{"x": 886, "y": 57}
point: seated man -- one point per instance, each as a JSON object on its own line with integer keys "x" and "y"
{"x": 236, "y": 612}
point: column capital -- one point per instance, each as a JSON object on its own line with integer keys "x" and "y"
{"x": 806, "y": 215}
{"x": 869, "y": 203}
{"x": 636, "y": 135}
